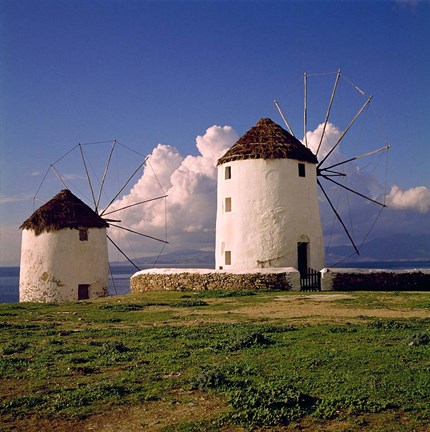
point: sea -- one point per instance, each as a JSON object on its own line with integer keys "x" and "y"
{"x": 119, "y": 283}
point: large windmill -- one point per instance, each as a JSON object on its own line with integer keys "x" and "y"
{"x": 268, "y": 209}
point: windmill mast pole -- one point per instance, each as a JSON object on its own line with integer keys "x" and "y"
{"x": 305, "y": 107}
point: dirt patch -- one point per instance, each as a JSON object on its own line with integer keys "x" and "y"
{"x": 154, "y": 416}
{"x": 305, "y": 308}
{"x": 138, "y": 419}
{"x": 149, "y": 416}
{"x": 317, "y": 307}
{"x": 317, "y": 297}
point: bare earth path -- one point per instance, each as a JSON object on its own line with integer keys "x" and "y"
{"x": 320, "y": 308}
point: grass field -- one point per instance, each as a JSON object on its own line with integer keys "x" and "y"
{"x": 216, "y": 361}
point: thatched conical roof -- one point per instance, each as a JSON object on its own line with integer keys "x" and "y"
{"x": 65, "y": 210}
{"x": 268, "y": 140}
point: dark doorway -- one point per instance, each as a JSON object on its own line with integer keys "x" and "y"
{"x": 83, "y": 292}
{"x": 310, "y": 280}
{"x": 302, "y": 258}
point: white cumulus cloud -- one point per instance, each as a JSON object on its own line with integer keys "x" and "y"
{"x": 331, "y": 136}
{"x": 190, "y": 184}
{"x": 415, "y": 198}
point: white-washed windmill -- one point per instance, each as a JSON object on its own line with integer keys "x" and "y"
{"x": 64, "y": 252}
{"x": 268, "y": 212}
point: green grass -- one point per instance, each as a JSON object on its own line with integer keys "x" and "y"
{"x": 74, "y": 360}
{"x": 387, "y": 300}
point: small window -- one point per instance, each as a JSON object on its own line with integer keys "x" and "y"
{"x": 228, "y": 173}
{"x": 302, "y": 170}
{"x": 227, "y": 257}
{"x": 83, "y": 234}
{"x": 228, "y": 204}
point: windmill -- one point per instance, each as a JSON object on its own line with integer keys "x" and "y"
{"x": 54, "y": 260}
{"x": 268, "y": 211}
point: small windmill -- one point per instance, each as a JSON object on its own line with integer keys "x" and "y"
{"x": 64, "y": 253}
{"x": 64, "y": 244}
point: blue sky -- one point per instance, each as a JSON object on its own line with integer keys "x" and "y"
{"x": 149, "y": 72}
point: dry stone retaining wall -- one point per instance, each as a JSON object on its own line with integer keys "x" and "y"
{"x": 286, "y": 279}
{"x": 213, "y": 280}
{"x": 375, "y": 280}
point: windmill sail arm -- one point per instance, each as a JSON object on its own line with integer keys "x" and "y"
{"x": 135, "y": 204}
{"x": 353, "y": 191}
{"x": 88, "y": 177}
{"x": 139, "y": 233}
{"x": 112, "y": 279}
{"x": 335, "y": 165}
{"x": 59, "y": 177}
{"x": 328, "y": 110}
{"x": 357, "y": 157}
{"x": 105, "y": 173}
{"x": 332, "y": 173}
{"x": 126, "y": 183}
{"x": 339, "y": 219}
{"x": 283, "y": 117}
{"x": 123, "y": 253}
{"x": 346, "y": 130}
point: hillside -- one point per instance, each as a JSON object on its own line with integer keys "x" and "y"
{"x": 402, "y": 247}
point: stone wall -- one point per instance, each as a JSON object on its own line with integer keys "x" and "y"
{"x": 285, "y": 279}
{"x": 198, "y": 280}
{"x": 375, "y": 280}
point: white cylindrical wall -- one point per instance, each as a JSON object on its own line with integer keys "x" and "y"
{"x": 54, "y": 264}
{"x": 272, "y": 209}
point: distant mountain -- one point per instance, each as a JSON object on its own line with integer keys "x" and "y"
{"x": 187, "y": 257}
{"x": 401, "y": 247}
